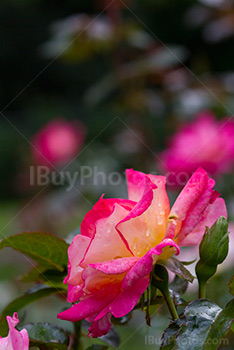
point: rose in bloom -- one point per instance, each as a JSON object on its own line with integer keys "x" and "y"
{"x": 16, "y": 340}
{"x": 205, "y": 142}
{"x": 121, "y": 239}
{"x": 58, "y": 142}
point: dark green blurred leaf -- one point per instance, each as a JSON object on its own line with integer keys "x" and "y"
{"x": 97, "y": 347}
{"x": 47, "y": 336}
{"x": 34, "y": 274}
{"x": 220, "y": 327}
{"x": 32, "y": 295}
{"x": 176, "y": 267}
{"x": 35, "y": 344}
{"x": 3, "y": 327}
{"x": 232, "y": 327}
{"x": 8, "y": 272}
{"x": 54, "y": 278}
{"x": 231, "y": 285}
{"x": 46, "y": 249}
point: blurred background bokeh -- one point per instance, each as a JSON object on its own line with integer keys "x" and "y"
{"x": 88, "y": 89}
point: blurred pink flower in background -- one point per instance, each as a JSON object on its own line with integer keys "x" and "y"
{"x": 16, "y": 340}
{"x": 58, "y": 142}
{"x": 204, "y": 142}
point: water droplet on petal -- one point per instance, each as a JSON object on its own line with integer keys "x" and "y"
{"x": 147, "y": 232}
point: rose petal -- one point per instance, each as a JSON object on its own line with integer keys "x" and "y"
{"x": 107, "y": 244}
{"x": 117, "y": 266}
{"x": 95, "y": 280}
{"x": 93, "y": 304}
{"x": 127, "y": 299}
{"x": 15, "y": 340}
{"x": 73, "y": 293}
{"x": 208, "y": 218}
{"x": 101, "y": 324}
{"x": 196, "y": 210}
{"x": 102, "y": 209}
{"x": 137, "y": 279}
{"x": 76, "y": 252}
{"x": 145, "y": 225}
{"x": 144, "y": 266}
{"x": 190, "y": 194}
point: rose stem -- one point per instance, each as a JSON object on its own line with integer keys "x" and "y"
{"x": 202, "y": 290}
{"x": 170, "y": 304}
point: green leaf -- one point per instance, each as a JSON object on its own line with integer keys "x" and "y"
{"x": 232, "y": 327}
{"x": 97, "y": 347}
{"x": 220, "y": 327}
{"x": 177, "y": 288}
{"x": 187, "y": 263}
{"x": 231, "y": 285}
{"x": 34, "y": 274}
{"x": 191, "y": 329}
{"x": 3, "y": 327}
{"x": 199, "y": 315}
{"x": 170, "y": 334}
{"x": 35, "y": 344}
{"x": 179, "y": 285}
{"x": 47, "y": 336}
{"x": 177, "y": 267}
{"x": 9, "y": 271}
{"x": 54, "y": 278}
{"x": 32, "y": 295}
{"x": 46, "y": 249}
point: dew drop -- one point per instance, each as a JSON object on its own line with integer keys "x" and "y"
{"x": 147, "y": 233}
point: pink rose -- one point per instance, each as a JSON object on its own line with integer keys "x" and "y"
{"x": 58, "y": 142}
{"x": 204, "y": 142}
{"x": 121, "y": 239}
{"x": 15, "y": 340}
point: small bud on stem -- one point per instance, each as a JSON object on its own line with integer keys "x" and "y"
{"x": 213, "y": 251}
